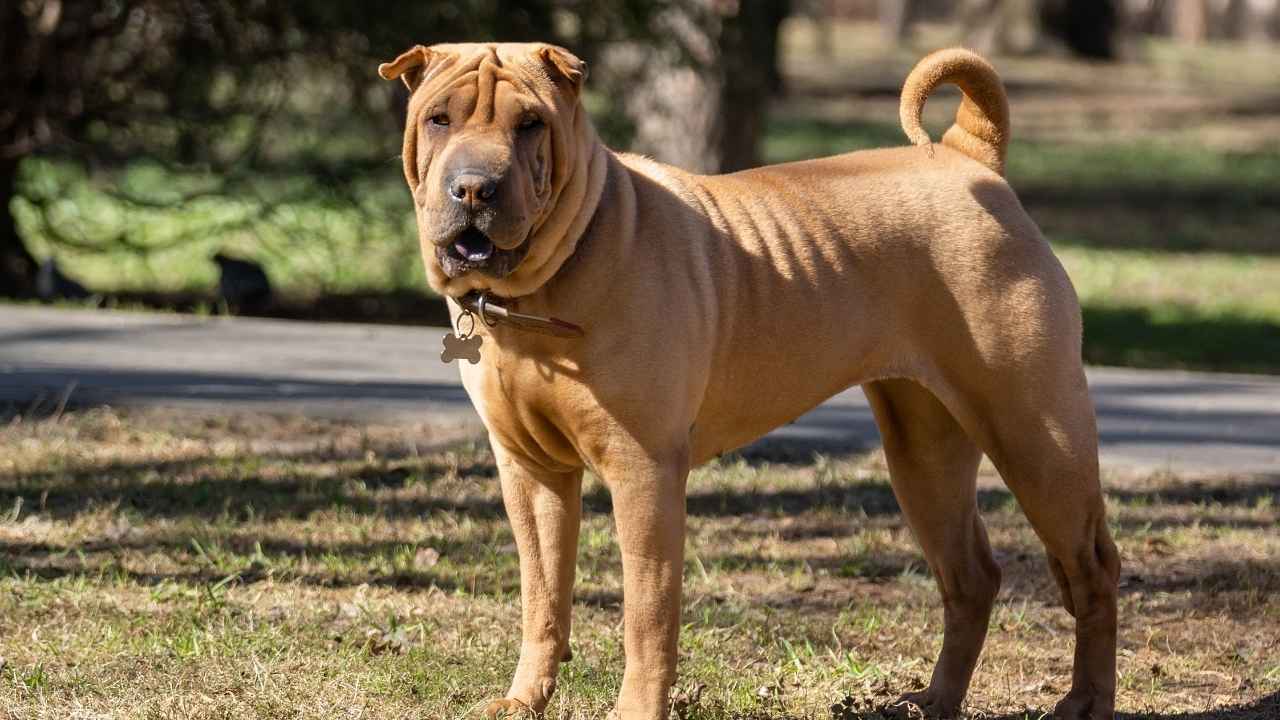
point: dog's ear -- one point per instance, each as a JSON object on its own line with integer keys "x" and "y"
{"x": 564, "y": 67}
{"x": 411, "y": 66}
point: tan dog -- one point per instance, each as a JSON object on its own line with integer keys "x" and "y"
{"x": 718, "y": 308}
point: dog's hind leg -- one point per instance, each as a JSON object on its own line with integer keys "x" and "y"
{"x": 1038, "y": 429}
{"x": 545, "y": 510}
{"x": 934, "y": 465}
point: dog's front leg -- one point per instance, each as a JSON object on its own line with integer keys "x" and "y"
{"x": 545, "y": 510}
{"x": 649, "y": 509}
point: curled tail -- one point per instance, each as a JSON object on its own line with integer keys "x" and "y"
{"x": 981, "y": 130}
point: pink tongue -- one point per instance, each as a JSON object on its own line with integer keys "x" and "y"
{"x": 474, "y": 254}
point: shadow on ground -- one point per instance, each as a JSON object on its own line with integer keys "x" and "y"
{"x": 209, "y": 487}
{"x": 395, "y": 307}
{"x": 225, "y": 492}
{"x": 1264, "y": 708}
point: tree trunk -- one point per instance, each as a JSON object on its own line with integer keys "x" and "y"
{"x": 1003, "y": 26}
{"x": 1247, "y": 20}
{"x": 1087, "y": 27}
{"x": 1189, "y": 20}
{"x": 895, "y": 19}
{"x": 17, "y": 267}
{"x": 672, "y": 102}
{"x": 706, "y": 111}
{"x": 749, "y": 68}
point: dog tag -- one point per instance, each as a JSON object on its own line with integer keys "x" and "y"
{"x": 463, "y": 345}
{"x": 461, "y": 348}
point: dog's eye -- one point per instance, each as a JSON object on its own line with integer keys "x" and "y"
{"x": 441, "y": 120}
{"x": 529, "y": 122}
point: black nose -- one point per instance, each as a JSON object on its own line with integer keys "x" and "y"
{"x": 472, "y": 190}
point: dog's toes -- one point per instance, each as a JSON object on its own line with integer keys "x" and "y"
{"x": 1083, "y": 705}
{"x": 923, "y": 705}
{"x": 507, "y": 708}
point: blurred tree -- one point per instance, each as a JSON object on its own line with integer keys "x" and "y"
{"x": 1263, "y": 19}
{"x": 1195, "y": 21}
{"x": 895, "y": 18}
{"x": 1001, "y": 26}
{"x": 1087, "y": 27}
{"x": 750, "y": 72}
{"x": 701, "y": 103}
{"x": 230, "y": 94}
{"x": 1249, "y": 20}
{"x": 1189, "y": 20}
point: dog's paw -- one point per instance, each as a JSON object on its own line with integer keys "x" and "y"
{"x": 923, "y": 705}
{"x": 1084, "y": 705}
{"x": 508, "y": 708}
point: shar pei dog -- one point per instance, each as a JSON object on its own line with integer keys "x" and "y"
{"x": 699, "y": 312}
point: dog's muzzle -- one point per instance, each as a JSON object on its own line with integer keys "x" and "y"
{"x": 472, "y": 250}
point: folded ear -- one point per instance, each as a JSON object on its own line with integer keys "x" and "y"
{"x": 564, "y": 67}
{"x": 411, "y": 66}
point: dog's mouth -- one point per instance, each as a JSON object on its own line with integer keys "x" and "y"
{"x": 472, "y": 249}
{"x": 473, "y": 246}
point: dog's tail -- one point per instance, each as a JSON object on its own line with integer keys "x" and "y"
{"x": 981, "y": 130}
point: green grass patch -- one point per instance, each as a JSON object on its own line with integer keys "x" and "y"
{"x": 310, "y": 239}
{"x": 1191, "y": 310}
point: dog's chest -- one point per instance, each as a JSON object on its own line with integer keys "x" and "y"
{"x": 535, "y": 403}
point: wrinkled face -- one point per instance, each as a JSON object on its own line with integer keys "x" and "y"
{"x": 485, "y": 133}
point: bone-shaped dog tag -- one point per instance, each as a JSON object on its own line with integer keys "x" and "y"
{"x": 461, "y": 348}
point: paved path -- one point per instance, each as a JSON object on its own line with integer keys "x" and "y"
{"x": 1188, "y": 422}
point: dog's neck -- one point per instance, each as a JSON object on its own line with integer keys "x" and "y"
{"x": 564, "y": 292}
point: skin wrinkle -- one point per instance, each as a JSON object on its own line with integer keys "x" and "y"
{"x": 421, "y": 99}
{"x": 488, "y": 83}
{"x": 717, "y": 308}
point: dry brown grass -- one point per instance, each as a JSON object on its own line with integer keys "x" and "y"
{"x": 158, "y": 566}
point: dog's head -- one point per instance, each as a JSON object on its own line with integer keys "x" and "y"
{"x": 494, "y": 137}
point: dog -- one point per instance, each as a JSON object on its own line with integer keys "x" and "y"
{"x": 711, "y": 309}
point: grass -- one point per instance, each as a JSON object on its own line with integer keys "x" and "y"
{"x": 1146, "y": 308}
{"x": 163, "y": 566}
{"x": 310, "y": 240}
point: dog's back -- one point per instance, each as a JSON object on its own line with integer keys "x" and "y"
{"x": 846, "y": 251}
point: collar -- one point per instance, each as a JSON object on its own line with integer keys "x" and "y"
{"x": 493, "y": 312}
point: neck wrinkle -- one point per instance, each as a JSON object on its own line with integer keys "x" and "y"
{"x": 597, "y": 170}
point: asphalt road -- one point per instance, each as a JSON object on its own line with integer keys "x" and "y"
{"x": 1180, "y": 421}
